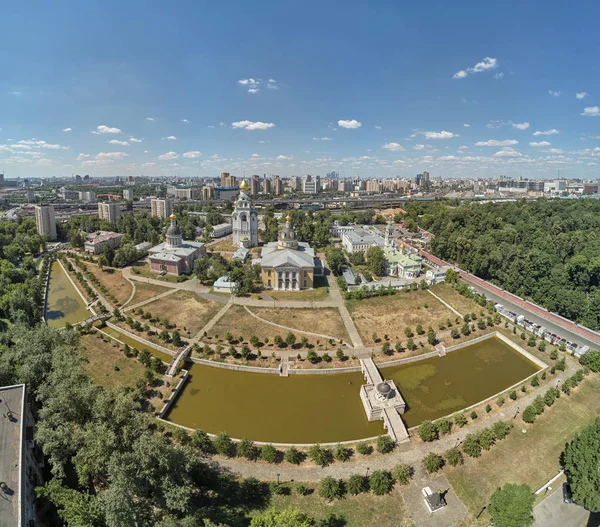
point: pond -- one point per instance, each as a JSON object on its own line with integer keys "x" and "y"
{"x": 64, "y": 303}
{"x": 440, "y": 386}
{"x": 327, "y": 408}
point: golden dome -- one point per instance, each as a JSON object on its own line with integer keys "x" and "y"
{"x": 235, "y": 203}
{"x": 288, "y": 218}
{"x": 244, "y": 186}
{"x": 172, "y": 217}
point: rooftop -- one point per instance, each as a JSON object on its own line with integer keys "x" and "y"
{"x": 101, "y": 236}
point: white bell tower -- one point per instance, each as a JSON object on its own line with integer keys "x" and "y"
{"x": 244, "y": 220}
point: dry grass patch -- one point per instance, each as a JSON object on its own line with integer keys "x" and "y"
{"x": 144, "y": 291}
{"x": 531, "y": 457}
{"x": 185, "y": 309}
{"x": 107, "y": 365}
{"x": 223, "y": 245}
{"x": 113, "y": 280}
{"x": 462, "y": 304}
{"x": 391, "y": 314}
{"x": 327, "y": 321}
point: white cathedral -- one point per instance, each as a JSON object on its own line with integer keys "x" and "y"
{"x": 244, "y": 220}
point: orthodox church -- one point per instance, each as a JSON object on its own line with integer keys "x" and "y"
{"x": 288, "y": 264}
{"x": 244, "y": 220}
{"x": 175, "y": 255}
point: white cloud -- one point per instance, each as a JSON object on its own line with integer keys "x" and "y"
{"x": 150, "y": 164}
{"x": 541, "y": 143}
{"x": 35, "y": 143}
{"x": 495, "y": 142}
{"x": 466, "y": 125}
{"x": 554, "y": 131}
{"x": 185, "y": 121}
{"x": 581, "y": 95}
{"x": 149, "y": 118}
{"x": 554, "y": 151}
{"x": 112, "y": 156}
{"x": 248, "y": 82}
{"x": 282, "y": 157}
{"x": 117, "y": 142}
{"x": 591, "y": 111}
{"x": 171, "y": 138}
{"x": 272, "y": 84}
{"x": 377, "y": 127}
{"x": 167, "y": 156}
{"x": 554, "y": 93}
{"x": 81, "y": 157}
{"x": 393, "y": 147}
{"x": 499, "y": 75}
{"x": 351, "y": 123}
{"x": 418, "y": 147}
{"x": 440, "y": 135}
{"x": 249, "y": 125}
{"x": 64, "y": 129}
{"x": 192, "y": 155}
{"x": 321, "y": 138}
{"x": 255, "y": 155}
{"x": 103, "y": 129}
{"x": 508, "y": 152}
{"x": 463, "y": 147}
{"x": 520, "y": 126}
{"x": 253, "y": 90}
{"x": 134, "y": 140}
{"x": 487, "y": 63}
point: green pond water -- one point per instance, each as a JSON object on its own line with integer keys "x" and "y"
{"x": 439, "y": 386}
{"x": 63, "y": 304}
{"x": 327, "y": 408}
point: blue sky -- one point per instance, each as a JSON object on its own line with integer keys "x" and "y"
{"x": 376, "y": 89}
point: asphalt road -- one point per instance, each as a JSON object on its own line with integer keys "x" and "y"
{"x": 536, "y": 319}
{"x": 554, "y": 512}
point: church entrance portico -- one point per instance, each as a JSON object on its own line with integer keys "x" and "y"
{"x": 288, "y": 280}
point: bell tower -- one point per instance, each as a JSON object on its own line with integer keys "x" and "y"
{"x": 244, "y": 220}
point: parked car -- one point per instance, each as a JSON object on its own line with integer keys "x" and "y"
{"x": 567, "y": 496}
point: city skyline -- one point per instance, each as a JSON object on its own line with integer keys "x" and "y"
{"x": 369, "y": 92}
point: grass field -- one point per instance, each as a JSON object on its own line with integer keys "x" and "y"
{"x": 357, "y": 511}
{"x": 320, "y": 292}
{"x": 185, "y": 309}
{"x": 240, "y": 323}
{"x": 324, "y": 321}
{"x": 461, "y": 303}
{"x": 391, "y": 314}
{"x": 107, "y": 365}
{"x": 224, "y": 245}
{"x": 145, "y": 291}
{"x": 113, "y": 280}
{"x": 531, "y": 458}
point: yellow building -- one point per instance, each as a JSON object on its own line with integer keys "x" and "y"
{"x": 287, "y": 264}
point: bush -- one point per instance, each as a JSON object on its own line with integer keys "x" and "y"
{"x": 245, "y": 448}
{"x": 554, "y": 354}
{"x": 202, "y": 442}
{"x": 500, "y": 401}
{"x": 385, "y": 444}
{"x": 444, "y": 425}
{"x": 486, "y": 438}
{"x": 341, "y": 453}
{"x": 460, "y": 420}
{"x": 535, "y": 381}
{"x": 488, "y": 408}
{"x": 473, "y": 415}
{"x": 320, "y": 456}
{"x": 223, "y": 444}
{"x": 433, "y": 462}
{"x": 501, "y": 429}
{"x": 402, "y": 473}
{"x": 513, "y": 395}
{"x": 428, "y": 431}
{"x": 550, "y": 397}
{"x": 364, "y": 448}
{"x": 471, "y": 446}
{"x": 529, "y": 414}
{"x": 312, "y": 357}
{"x": 381, "y": 482}
{"x": 293, "y": 455}
{"x": 357, "y": 484}
{"x": 331, "y": 488}
{"x": 303, "y": 490}
{"x": 269, "y": 453}
{"x": 454, "y": 457}
{"x": 539, "y": 404}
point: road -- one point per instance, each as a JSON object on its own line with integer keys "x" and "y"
{"x": 550, "y": 326}
{"x": 554, "y": 512}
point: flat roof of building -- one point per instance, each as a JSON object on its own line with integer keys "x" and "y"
{"x": 101, "y": 236}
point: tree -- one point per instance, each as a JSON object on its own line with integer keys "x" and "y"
{"x": 582, "y": 459}
{"x": 320, "y": 456}
{"x": 357, "y": 484}
{"x": 529, "y": 414}
{"x": 385, "y": 444}
{"x": 386, "y": 348}
{"x": 293, "y": 455}
{"x": 408, "y": 332}
{"x": 290, "y": 339}
{"x": 381, "y": 482}
{"x": 431, "y": 337}
{"x": 223, "y": 444}
{"x": 278, "y": 341}
{"x": 454, "y": 457}
{"x": 245, "y": 448}
{"x": 282, "y": 518}
{"x": 420, "y": 329}
{"x": 444, "y": 425}
{"x": 74, "y": 508}
{"x": 471, "y": 446}
{"x": 341, "y": 453}
{"x": 269, "y": 453}
{"x": 410, "y": 344}
{"x": 512, "y": 506}
{"x": 331, "y": 488}
{"x": 454, "y": 333}
{"x": 592, "y": 360}
{"x": 202, "y": 441}
{"x": 402, "y": 473}
{"x": 433, "y": 462}
{"x": 428, "y": 431}
{"x": 376, "y": 260}
{"x": 336, "y": 260}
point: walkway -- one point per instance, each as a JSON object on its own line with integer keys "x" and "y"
{"x": 370, "y": 371}
{"x": 445, "y": 303}
{"x": 149, "y": 300}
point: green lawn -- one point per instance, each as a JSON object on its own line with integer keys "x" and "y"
{"x": 531, "y": 457}
{"x": 358, "y": 511}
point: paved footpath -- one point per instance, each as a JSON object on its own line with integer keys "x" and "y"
{"x": 404, "y": 453}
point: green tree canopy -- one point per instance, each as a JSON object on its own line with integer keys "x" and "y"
{"x": 512, "y": 506}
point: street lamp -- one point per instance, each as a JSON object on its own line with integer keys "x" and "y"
{"x": 458, "y": 442}
{"x": 367, "y": 472}
{"x": 481, "y": 512}
{"x": 516, "y": 413}
{"x": 278, "y": 474}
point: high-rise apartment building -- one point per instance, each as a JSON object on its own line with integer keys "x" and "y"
{"x": 45, "y": 221}
{"x": 255, "y": 185}
{"x": 109, "y": 211}
{"x": 162, "y": 208}
{"x": 208, "y": 193}
{"x": 266, "y": 186}
{"x": 227, "y": 180}
{"x": 128, "y": 194}
{"x": 277, "y": 186}
{"x": 87, "y": 195}
{"x": 312, "y": 184}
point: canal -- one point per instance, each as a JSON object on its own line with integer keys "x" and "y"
{"x": 63, "y": 304}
